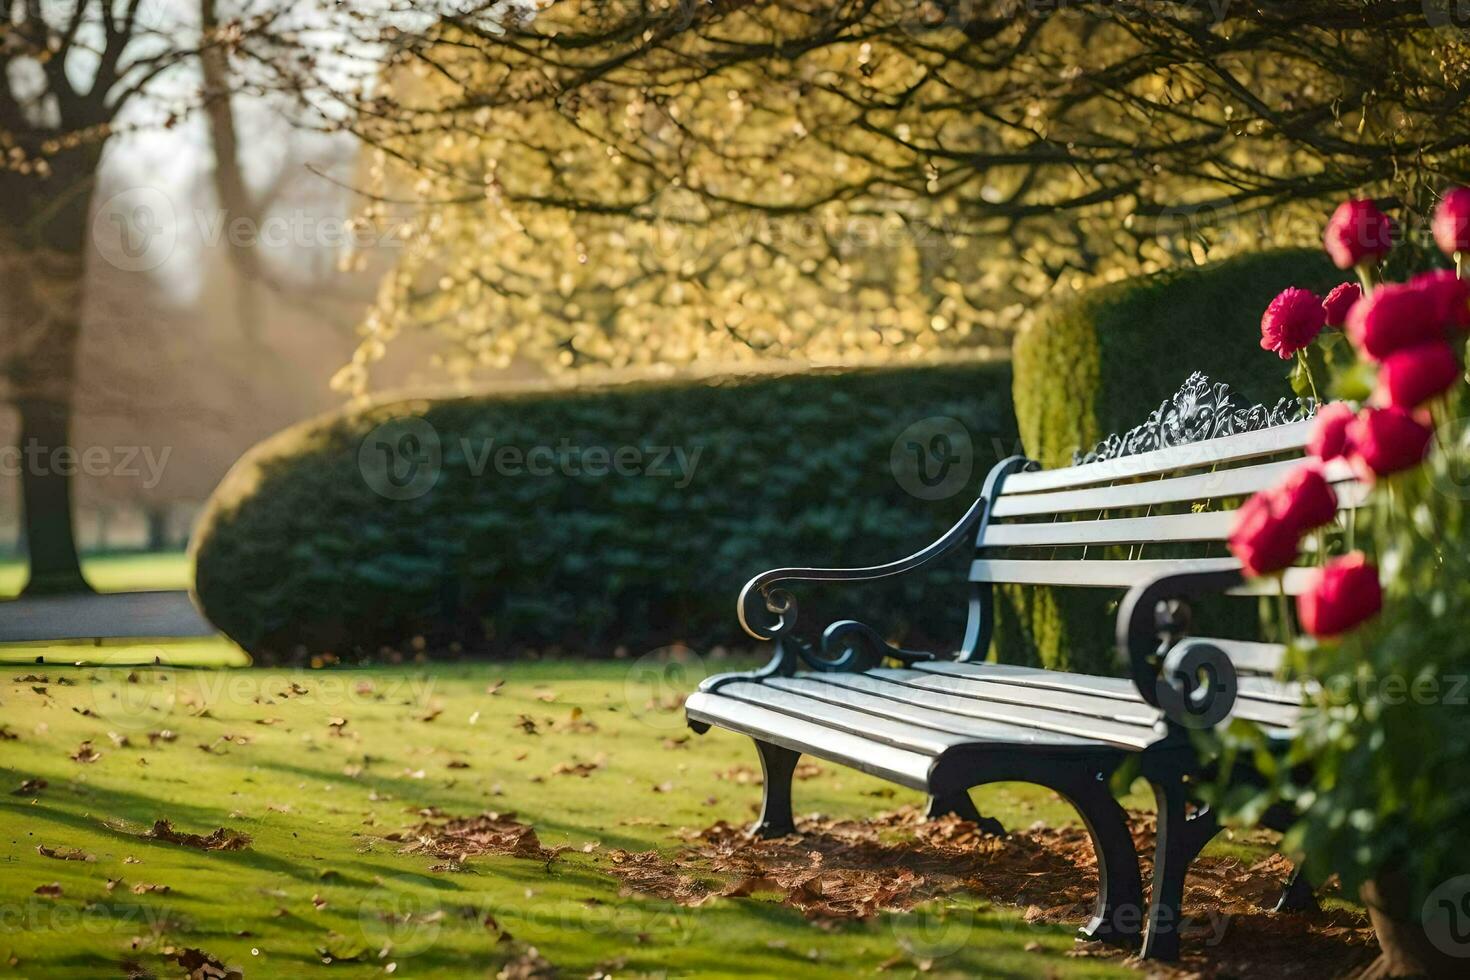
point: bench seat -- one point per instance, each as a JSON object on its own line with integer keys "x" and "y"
{"x": 897, "y": 723}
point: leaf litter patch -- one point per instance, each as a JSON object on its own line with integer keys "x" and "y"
{"x": 455, "y": 839}
{"x": 845, "y": 870}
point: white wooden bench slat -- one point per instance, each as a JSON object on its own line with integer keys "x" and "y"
{"x": 899, "y": 766}
{"x": 899, "y": 734}
{"x": 891, "y": 698}
{"x": 1128, "y": 711}
{"x": 1208, "y": 526}
{"x": 1114, "y": 687}
{"x": 1259, "y": 701}
{"x": 1123, "y": 574}
{"x": 1226, "y": 449}
{"x": 1238, "y": 482}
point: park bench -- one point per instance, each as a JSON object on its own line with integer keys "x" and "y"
{"x": 944, "y": 725}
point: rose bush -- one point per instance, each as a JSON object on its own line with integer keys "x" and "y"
{"x": 1384, "y": 615}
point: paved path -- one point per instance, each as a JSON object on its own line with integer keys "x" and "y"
{"x": 152, "y": 615}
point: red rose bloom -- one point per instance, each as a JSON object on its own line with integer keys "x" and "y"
{"x": 1305, "y": 499}
{"x": 1339, "y": 301}
{"x": 1448, "y": 294}
{"x": 1262, "y": 540}
{"x": 1357, "y": 233}
{"x": 1329, "y": 436}
{"x": 1342, "y": 595}
{"x": 1452, "y": 222}
{"x": 1410, "y": 377}
{"x": 1386, "y": 440}
{"x": 1294, "y": 317}
{"x": 1393, "y": 317}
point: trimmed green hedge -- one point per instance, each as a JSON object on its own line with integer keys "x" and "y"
{"x": 1102, "y": 362}
{"x": 297, "y": 553}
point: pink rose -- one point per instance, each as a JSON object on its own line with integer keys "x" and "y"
{"x": 1339, "y": 301}
{"x": 1448, "y": 294}
{"x": 1292, "y": 320}
{"x": 1394, "y": 316}
{"x": 1329, "y": 436}
{"x": 1342, "y": 595}
{"x": 1410, "y": 377}
{"x": 1357, "y": 233}
{"x": 1262, "y": 540}
{"x": 1305, "y": 499}
{"x": 1452, "y": 221}
{"x": 1387, "y": 440}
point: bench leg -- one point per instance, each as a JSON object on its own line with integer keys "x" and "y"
{"x": 1298, "y": 895}
{"x": 778, "y": 768}
{"x": 1182, "y": 835}
{"x": 1118, "y": 915}
{"x": 960, "y": 804}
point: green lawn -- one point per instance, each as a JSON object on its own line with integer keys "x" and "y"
{"x": 251, "y": 755}
{"x": 114, "y": 573}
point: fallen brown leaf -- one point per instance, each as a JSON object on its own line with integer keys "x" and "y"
{"x": 222, "y": 839}
{"x": 199, "y": 965}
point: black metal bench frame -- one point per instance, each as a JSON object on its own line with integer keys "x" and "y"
{"x": 1192, "y": 681}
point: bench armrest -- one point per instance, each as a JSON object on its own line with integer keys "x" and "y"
{"x": 760, "y": 600}
{"x": 1192, "y": 681}
{"x": 760, "y": 597}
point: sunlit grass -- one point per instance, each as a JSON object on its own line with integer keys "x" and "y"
{"x": 250, "y": 754}
{"x": 206, "y": 652}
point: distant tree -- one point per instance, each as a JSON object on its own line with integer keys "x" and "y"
{"x": 74, "y": 74}
{"x": 614, "y": 182}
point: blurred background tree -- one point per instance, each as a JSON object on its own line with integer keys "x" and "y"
{"x": 619, "y": 183}
{"x": 78, "y": 80}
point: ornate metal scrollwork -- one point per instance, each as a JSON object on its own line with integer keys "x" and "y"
{"x": 849, "y": 646}
{"x": 1201, "y": 409}
{"x": 1197, "y": 684}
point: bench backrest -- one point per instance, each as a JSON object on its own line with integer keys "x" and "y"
{"x": 1157, "y": 500}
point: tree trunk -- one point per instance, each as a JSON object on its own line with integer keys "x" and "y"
{"x": 42, "y": 293}
{"x": 158, "y": 536}
{"x": 1405, "y": 948}
{"x": 47, "y": 461}
{"x": 235, "y": 199}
